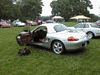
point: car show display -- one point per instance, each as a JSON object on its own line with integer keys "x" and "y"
{"x": 57, "y": 37}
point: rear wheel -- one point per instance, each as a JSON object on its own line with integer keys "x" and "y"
{"x": 90, "y": 35}
{"x": 58, "y": 47}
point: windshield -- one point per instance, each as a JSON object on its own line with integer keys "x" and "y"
{"x": 18, "y": 21}
{"x": 30, "y": 21}
{"x": 59, "y": 28}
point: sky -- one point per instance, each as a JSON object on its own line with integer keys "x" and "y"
{"x": 46, "y": 9}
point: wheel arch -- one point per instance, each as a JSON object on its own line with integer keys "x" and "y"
{"x": 54, "y": 41}
{"x": 90, "y": 32}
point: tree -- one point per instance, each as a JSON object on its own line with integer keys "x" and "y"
{"x": 94, "y": 18}
{"x": 24, "y": 9}
{"x": 31, "y": 8}
{"x": 6, "y": 10}
{"x": 69, "y": 8}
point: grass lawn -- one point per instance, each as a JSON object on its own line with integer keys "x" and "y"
{"x": 42, "y": 61}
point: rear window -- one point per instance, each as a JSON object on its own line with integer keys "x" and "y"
{"x": 59, "y": 28}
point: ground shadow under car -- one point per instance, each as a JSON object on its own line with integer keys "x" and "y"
{"x": 75, "y": 52}
{"x": 97, "y": 37}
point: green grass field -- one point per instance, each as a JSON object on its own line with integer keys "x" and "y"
{"x": 43, "y": 61}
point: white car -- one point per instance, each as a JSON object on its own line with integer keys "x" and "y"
{"x": 54, "y": 36}
{"x": 18, "y": 23}
{"x": 91, "y": 29}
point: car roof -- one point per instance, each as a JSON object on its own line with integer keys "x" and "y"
{"x": 50, "y": 26}
{"x": 85, "y": 23}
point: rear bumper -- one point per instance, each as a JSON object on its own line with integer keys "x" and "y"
{"x": 76, "y": 45}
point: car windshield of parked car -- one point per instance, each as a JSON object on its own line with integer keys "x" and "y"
{"x": 30, "y": 21}
{"x": 18, "y": 21}
{"x": 3, "y": 22}
{"x": 94, "y": 25}
{"x": 59, "y": 28}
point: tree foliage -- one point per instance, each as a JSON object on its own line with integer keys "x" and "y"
{"x": 31, "y": 8}
{"x": 69, "y": 8}
{"x": 6, "y": 9}
{"x": 27, "y": 9}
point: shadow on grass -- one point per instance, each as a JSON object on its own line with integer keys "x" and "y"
{"x": 75, "y": 52}
{"x": 97, "y": 37}
{"x": 40, "y": 48}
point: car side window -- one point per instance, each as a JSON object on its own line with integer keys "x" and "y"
{"x": 86, "y": 26}
{"x": 41, "y": 28}
{"x": 79, "y": 26}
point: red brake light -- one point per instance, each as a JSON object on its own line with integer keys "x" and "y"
{"x": 72, "y": 39}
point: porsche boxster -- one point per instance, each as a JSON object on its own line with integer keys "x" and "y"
{"x": 54, "y": 36}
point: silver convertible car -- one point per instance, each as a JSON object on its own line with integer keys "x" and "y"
{"x": 54, "y": 36}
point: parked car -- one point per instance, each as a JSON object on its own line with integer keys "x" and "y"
{"x": 50, "y": 21}
{"x": 8, "y": 21}
{"x": 91, "y": 29}
{"x": 97, "y": 22}
{"x": 57, "y": 37}
{"x": 31, "y": 23}
{"x": 18, "y": 23}
{"x": 4, "y": 24}
{"x": 39, "y": 22}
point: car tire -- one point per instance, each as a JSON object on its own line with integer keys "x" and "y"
{"x": 16, "y": 25}
{"x": 1, "y": 26}
{"x": 90, "y": 35}
{"x": 58, "y": 47}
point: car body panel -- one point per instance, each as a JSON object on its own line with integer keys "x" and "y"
{"x": 4, "y": 24}
{"x": 39, "y": 22}
{"x": 18, "y": 23}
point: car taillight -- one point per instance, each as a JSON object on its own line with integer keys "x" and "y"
{"x": 72, "y": 39}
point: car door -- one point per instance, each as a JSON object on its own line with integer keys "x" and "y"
{"x": 39, "y": 36}
{"x": 24, "y": 37}
{"x": 86, "y": 28}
